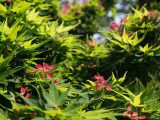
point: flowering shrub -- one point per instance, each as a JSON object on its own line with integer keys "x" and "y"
{"x": 51, "y": 67}
{"x": 133, "y": 43}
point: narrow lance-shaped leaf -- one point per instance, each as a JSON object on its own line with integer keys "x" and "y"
{"x": 125, "y": 97}
{"x": 120, "y": 80}
{"x": 136, "y": 41}
{"x": 125, "y": 37}
{"x": 113, "y": 78}
{"x": 61, "y": 28}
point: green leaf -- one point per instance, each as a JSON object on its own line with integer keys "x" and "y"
{"x": 136, "y": 41}
{"x": 145, "y": 48}
{"x": 53, "y": 113}
{"x": 125, "y": 97}
{"x": 20, "y": 6}
{"x": 48, "y": 98}
{"x": 125, "y": 37}
{"x": 53, "y": 93}
{"x": 3, "y": 117}
{"x": 3, "y": 8}
{"x": 117, "y": 37}
{"x": 137, "y": 101}
{"x": 13, "y": 31}
{"x": 33, "y": 16}
{"x": 120, "y": 80}
{"x": 63, "y": 97}
{"x": 97, "y": 115}
{"x": 113, "y": 78}
{"x": 61, "y": 28}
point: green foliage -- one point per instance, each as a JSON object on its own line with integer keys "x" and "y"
{"x": 135, "y": 44}
{"x": 52, "y": 68}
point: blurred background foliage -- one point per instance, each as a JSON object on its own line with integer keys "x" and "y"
{"x": 74, "y": 59}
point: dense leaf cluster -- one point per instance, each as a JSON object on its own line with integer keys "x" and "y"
{"x": 51, "y": 67}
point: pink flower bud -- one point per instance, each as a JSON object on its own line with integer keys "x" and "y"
{"x": 53, "y": 66}
{"x": 27, "y": 95}
{"x": 23, "y": 90}
{"x": 55, "y": 82}
{"x": 134, "y": 115}
{"x": 107, "y": 86}
{"x": 99, "y": 87}
{"x": 39, "y": 67}
{"x": 143, "y": 117}
{"x": 129, "y": 108}
{"x": 48, "y": 75}
{"x": 46, "y": 67}
{"x": 65, "y": 6}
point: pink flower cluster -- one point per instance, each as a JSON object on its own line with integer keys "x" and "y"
{"x": 66, "y": 8}
{"x": 124, "y": 20}
{"x": 133, "y": 115}
{"x": 101, "y": 83}
{"x": 46, "y": 69}
{"x": 114, "y": 26}
{"x": 23, "y": 92}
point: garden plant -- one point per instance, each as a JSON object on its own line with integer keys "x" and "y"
{"x": 53, "y": 68}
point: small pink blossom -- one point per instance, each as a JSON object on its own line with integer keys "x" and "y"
{"x": 65, "y": 6}
{"x": 126, "y": 114}
{"x": 143, "y": 117}
{"x": 107, "y": 86}
{"x": 53, "y": 66}
{"x": 99, "y": 79}
{"x": 48, "y": 75}
{"x": 46, "y": 67}
{"x": 134, "y": 115}
{"x": 129, "y": 108}
{"x": 114, "y": 26}
{"x": 27, "y": 95}
{"x": 39, "y": 67}
{"x": 99, "y": 87}
{"x": 23, "y": 90}
{"x": 93, "y": 66}
{"x": 55, "y": 82}
{"x": 124, "y": 20}
{"x": 101, "y": 83}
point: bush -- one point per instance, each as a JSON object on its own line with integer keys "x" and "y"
{"x": 51, "y": 67}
